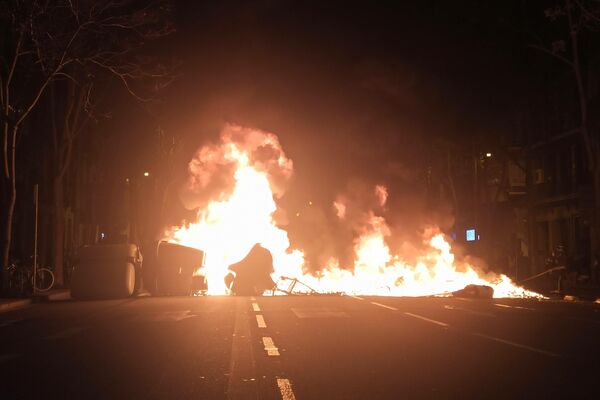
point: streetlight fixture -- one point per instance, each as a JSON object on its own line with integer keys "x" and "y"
{"x": 488, "y": 155}
{"x": 146, "y": 173}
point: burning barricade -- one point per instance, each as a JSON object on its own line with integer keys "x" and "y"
{"x": 241, "y": 214}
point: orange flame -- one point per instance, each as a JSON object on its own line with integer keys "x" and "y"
{"x": 242, "y": 215}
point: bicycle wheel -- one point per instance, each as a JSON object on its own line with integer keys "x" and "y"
{"x": 44, "y": 280}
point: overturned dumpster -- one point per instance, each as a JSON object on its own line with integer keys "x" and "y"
{"x": 169, "y": 269}
{"x": 106, "y": 271}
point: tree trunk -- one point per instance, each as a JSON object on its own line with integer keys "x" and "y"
{"x": 452, "y": 185}
{"x": 588, "y": 140}
{"x": 10, "y": 210}
{"x": 59, "y": 230}
{"x": 594, "y": 237}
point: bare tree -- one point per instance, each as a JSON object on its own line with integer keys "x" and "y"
{"x": 580, "y": 16}
{"x": 78, "y": 42}
{"x": 74, "y": 118}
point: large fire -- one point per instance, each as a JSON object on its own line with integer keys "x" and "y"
{"x": 240, "y": 215}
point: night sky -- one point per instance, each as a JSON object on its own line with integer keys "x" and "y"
{"x": 330, "y": 77}
{"x": 355, "y": 92}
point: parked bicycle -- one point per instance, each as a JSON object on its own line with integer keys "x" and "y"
{"x": 21, "y": 278}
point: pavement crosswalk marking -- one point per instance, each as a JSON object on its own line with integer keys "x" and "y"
{"x": 255, "y": 307}
{"x": 270, "y": 347}
{"x": 433, "y": 321}
{"x": 521, "y": 346}
{"x": 384, "y": 306}
{"x": 260, "y": 320}
{"x": 285, "y": 388}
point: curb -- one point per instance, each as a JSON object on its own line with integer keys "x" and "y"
{"x": 14, "y": 304}
{"x": 55, "y": 295}
{"x": 64, "y": 294}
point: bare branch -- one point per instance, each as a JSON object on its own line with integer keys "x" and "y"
{"x": 553, "y": 54}
{"x": 594, "y": 17}
{"x": 39, "y": 94}
{"x": 123, "y": 77}
{"x": 69, "y": 77}
{"x": 13, "y": 66}
{"x": 2, "y": 95}
{"x": 74, "y": 12}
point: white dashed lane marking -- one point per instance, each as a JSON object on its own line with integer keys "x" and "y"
{"x": 480, "y": 313}
{"x": 384, "y": 306}
{"x": 521, "y": 346}
{"x": 443, "y": 324}
{"x": 270, "y": 347}
{"x": 355, "y": 297}
{"x": 164, "y": 316}
{"x": 318, "y": 312}
{"x": 285, "y": 388}
{"x": 255, "y": 307}
{"x": 518, "y": 307}
{"x": 260, "y": 320}
{"x": 433, "y": 321}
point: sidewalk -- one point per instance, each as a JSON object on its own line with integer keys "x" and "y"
{"x": 584, "y": 293}
{"x": 8, "y": 304}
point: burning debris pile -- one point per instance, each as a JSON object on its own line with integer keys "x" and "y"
{"x": 242, "y": 177}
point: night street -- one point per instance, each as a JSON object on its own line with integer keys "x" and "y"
{"x": 299, "y": 199}
{"x": 321, "y": 347}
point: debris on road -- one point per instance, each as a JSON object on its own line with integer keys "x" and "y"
{"x": 475, "y": 292}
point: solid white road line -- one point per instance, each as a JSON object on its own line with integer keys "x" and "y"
{"x": 433, "y": 321}
{"x": 384, "y": 306}
{"x": 255, "y": 307}
{"x": 270, "y": 347}
{"x": 260, "y": 320}
{"x": 285, "y": 388}
{"x": 521, "y": 346}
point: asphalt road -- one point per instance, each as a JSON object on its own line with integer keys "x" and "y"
{"x": 312, "y": 347}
